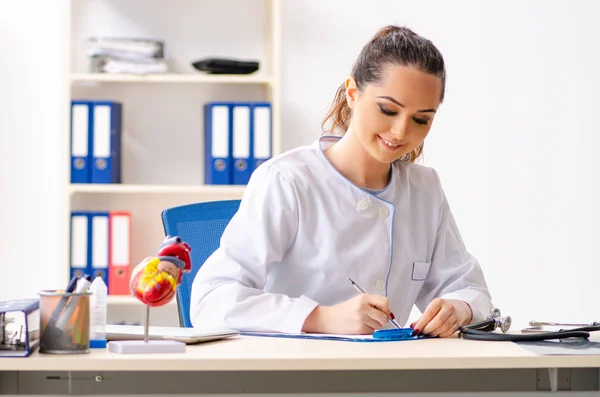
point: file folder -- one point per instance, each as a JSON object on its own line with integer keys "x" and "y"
{"x": 261, "y": 133}
{"x": 242, "y": 167}
{"x": 217, "y": 143}
{"x": 119, "y": 270}
{"x": 80, "y": 241}
{"x": 106, "y": 142}
{"x": 99, "y": 246}
{"x": 80, "y": 142}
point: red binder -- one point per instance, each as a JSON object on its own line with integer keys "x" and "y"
{"x": 119, "y": 268}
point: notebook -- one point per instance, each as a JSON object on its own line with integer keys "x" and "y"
{"x": 185, "y": 335}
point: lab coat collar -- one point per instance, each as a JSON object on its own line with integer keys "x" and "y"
{"x": 327, "y": 141}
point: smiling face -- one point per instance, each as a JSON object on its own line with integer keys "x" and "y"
{"x": 392, "y": 117}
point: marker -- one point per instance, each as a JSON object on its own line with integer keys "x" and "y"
{"x": 362, "y": 291}
{"x": 83, "y": 284}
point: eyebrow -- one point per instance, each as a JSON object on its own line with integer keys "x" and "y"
{"x": 389, "y": 98}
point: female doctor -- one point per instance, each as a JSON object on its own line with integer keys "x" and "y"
{"x": 355, "y": 206}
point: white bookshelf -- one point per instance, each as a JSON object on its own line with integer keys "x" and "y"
{"x": 205, "y": 190}
{"x": 171, "y": 78}
{"x": 163, "y": 112}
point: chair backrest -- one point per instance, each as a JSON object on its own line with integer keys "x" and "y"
{"x": 201, "y": 226}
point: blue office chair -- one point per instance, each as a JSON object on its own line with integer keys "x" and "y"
{"x": 201, "y": 226}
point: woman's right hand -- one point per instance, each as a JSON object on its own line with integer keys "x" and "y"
{"x": 356, "y": 316}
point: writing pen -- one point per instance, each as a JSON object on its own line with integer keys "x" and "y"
{"x": 63, "y": 301}
{"x": 82, "y": 286}
{"x": 72, "y": 284}
{"x": 362, "y": 291}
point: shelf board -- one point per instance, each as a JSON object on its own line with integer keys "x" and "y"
{"x": 170, "y": 78}
{"x": 232, "y": 190}
{"x": 129, "y": 300}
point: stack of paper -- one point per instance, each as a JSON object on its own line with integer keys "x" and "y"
{"x": 127, "y": 55}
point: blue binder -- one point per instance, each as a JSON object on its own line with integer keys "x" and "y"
{"x": 81, "y": 139}
{"x": 79, "y": 257}
{"x": 99, "y": 242}
{"x": 21, "y": 327}
{"x": 241, "y": 144}
{"x": 217, "y": 143}
{"x": 89, "y": 247}
{"x": 106, "y": 119}
{"x": 261, "y": 133}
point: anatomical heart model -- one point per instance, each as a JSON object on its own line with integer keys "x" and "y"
{"x": 154, "y": 282}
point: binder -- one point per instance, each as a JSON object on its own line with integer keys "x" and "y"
{"x": 80, "y": 142}
{"x": 106, "y": 119}
{"x": 20, "y": 327}
{"x": 261, "y": 133}
{"x": 99, "y": 246}
{"x": 79, "y": 246}
{"x": 217, "y": 138}
{"x": 241, "y": 144}
{"x": 119, "y": 267}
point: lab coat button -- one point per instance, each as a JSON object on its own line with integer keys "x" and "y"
{"x": 362, "y": 205}
{"x": 383, "y": 212}
{"x": 380, "y": 285}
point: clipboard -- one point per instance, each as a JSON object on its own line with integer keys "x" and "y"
{"x": 382, "y": 335}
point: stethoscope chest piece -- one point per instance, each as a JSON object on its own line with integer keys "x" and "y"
{"x": 503, "y": 323}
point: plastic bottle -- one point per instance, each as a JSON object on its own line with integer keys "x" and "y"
{"x": 98, "y": 308}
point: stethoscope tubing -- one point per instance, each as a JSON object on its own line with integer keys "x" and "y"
{"x": 476, "y": 334}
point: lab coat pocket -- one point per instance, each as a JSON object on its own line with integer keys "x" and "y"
{"x": 420, "y": 270}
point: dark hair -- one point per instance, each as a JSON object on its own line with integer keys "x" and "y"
{"x": 391, "y": 45}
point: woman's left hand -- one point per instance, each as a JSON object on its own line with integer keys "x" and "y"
{"x": 443, "y": 317}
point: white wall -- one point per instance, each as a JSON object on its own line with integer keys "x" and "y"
{"x": 33, "y": 90}
{"x": 514, "y": 142}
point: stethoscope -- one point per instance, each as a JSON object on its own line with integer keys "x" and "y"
{"x": 538, "y": 326}
{"x": 484, "y": 330}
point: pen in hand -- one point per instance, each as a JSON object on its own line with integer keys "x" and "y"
{"x": 362, "y": 291}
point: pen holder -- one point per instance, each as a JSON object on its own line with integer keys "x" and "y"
{"x": 64, "y": 322}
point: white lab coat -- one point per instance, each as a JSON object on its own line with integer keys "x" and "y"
{"x": 303, "y": 228}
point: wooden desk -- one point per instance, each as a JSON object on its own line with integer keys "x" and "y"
{"x": 265, "y": 365}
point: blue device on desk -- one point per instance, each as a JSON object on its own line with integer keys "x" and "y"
{"x": 394, "y": 334}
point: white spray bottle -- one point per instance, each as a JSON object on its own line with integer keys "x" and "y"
{"x": 98, "y": 309}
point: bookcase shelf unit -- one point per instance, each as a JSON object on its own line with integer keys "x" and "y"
{"x": 163, "y": 129}
{"x": 81, "y": 78}
{"x": 205, "y": 190}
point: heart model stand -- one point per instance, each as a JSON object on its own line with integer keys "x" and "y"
{"x": 154, "y": 282}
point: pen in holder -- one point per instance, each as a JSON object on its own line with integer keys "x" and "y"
{"x": 65, "y": 322}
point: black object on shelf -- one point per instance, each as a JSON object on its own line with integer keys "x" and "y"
{"x": 225, "y": 66}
